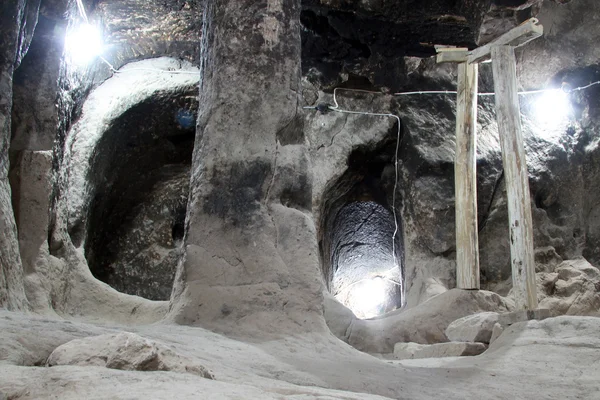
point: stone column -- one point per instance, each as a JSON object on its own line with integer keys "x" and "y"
{"x": 251, "y": 252}
{"x": 17, "y": 20}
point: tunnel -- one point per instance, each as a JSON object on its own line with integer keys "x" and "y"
{"x": 136, "y": 217}
{"x": 361, "y": 238}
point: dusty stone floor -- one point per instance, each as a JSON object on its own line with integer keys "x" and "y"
{"x": 557, "y": 358}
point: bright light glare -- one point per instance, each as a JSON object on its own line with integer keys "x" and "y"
{"x": 83, "y": 44}
{"x": 367, "y": 297}
{"x": 552, "y": 107}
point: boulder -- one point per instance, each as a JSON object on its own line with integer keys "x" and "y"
{"x": 424, "y": 323}
{"x": 404, "y": 351}
{"x": 473, "y": 328}
{"x": 573, "y": 289}
{"x": 124, "y": 351}
{"x": 496, "y": 332}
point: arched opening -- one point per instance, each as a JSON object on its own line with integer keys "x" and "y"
{"x": 136, "y": 221}
{"x": 126, "y": 175}
{"x": 361, "y": 238}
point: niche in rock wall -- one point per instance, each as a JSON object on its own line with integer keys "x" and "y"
{"x": 361, "y": 240}
{"x": 140, "y": 173}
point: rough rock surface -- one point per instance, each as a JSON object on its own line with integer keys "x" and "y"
{"x": 337, "y": 316}
{"x": 62, "y": 281}
{"x": 533, "y": 360}
{"x": 17, "y": 22}
{"x": 23, "y": 345}
{"x": 126, "y": 351}
{"x": 473, "y": 328}
{"x": 346, "y": 39}
{"x": 141, "y": 256}
{"x": 139, "y": 30}
{"x": 572, "y": 289}
{"x": 496, "y": 332}
{"x": 258, "y": 194}
{"x": 350, "y": 199}
{"x": 251, "y": 251}
{"x": 424, "y": 323}
{"x": 404, "y": 351}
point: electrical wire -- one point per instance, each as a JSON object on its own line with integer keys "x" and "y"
{"x": 438, "y": 92}
{"x": 336, "y": 108}
{"x": 81, "y": 10}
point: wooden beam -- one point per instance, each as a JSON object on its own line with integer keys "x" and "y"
{"x": 516, "y": 37}
{"x": 465, "y": 179}
{"x": 451, "y": 54}
{"x": 516, "y": 177}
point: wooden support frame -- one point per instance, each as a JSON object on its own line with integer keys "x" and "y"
{"x": 516, "y": 177}
{"x": 501, "y": 52}
{"x": 465, "y": 179}
{"x": 519, "y": 36}
{"x": 451, "y": 54}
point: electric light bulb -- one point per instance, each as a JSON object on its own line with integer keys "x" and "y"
{"x": 83, "y": 44}
{"x": 552, "y": 107}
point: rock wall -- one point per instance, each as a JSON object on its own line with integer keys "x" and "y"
{"x": 267, "y": 176}
{"x": 48, "y": 97}
{"x": 17, "y": 23}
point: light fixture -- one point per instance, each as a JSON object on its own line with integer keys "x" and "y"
{"x": 368, "y": 297}
{"x": 551, "y": 108}
{"x": 83, "y": 44}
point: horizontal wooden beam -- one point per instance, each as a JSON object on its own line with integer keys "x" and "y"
{"x": 451, "y": 54}
{"x": 522, "y": 34}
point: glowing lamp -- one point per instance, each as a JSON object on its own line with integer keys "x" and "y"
{"x": 83, "y": 44}
{"x": 552, "y": 107}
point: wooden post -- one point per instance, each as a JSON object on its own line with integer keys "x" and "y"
{"x": 516, "y": 177}
{"x": 465, "y": 179}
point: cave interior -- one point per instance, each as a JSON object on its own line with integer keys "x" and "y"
{"x": 260, "y": 199}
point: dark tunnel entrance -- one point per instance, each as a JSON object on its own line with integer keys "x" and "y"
{"x": 141, "y": 176}
{"x": 361, "y": 244}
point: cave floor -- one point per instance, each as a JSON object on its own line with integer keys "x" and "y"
{"x": 557, "y": 358}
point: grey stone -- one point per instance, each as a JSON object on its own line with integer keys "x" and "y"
{"x": 507, "y": 319}
{"x": 496, "y": 332}
{"x": 473, "y": 328}
{"x": 17, "y": 22}
{"x": 571, "y": 290}
{"x": 338, "y": 317}
{"x": 424, "y": 323}
{"x": 403, "y": 351}
{"x": 12, "y": 290}
{"x": 449, "y": 349}
{"x": 31, "y": 182}
{"x": 124, "y": 351}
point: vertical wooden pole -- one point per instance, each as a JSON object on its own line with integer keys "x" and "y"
{"x": 465, "y": 179}
{"x": 516, "y": 176}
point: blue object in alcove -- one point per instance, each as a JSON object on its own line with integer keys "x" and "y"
{"x": 185, "y": 118}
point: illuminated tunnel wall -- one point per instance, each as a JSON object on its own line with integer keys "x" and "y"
{"x": 362, "y": 264}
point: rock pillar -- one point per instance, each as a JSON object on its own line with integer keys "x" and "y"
{"x": 17, "y": 21}
{"x": 251, "y": 252}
